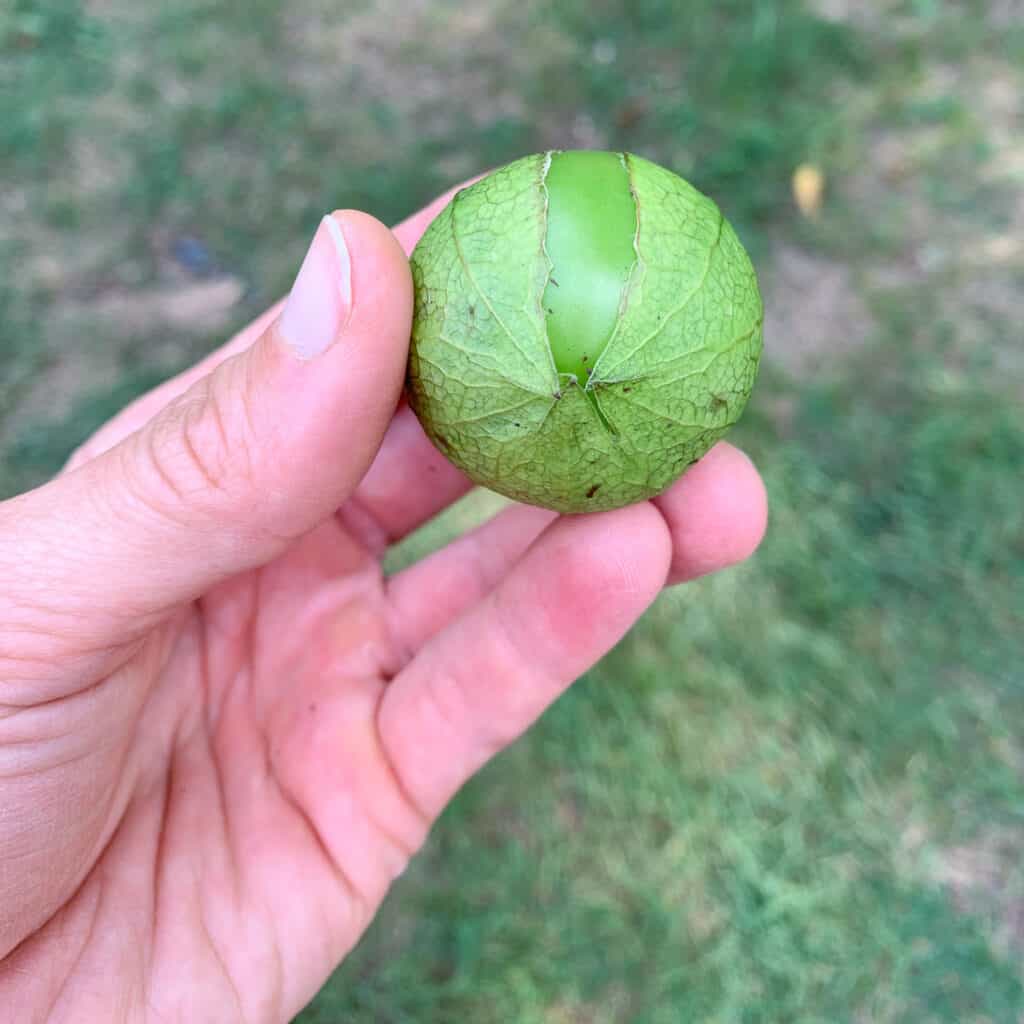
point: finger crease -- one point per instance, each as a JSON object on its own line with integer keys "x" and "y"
{"x": 345, "y": 881}
{"x": 364, "y": 526}
{"x": 423, "y": 818}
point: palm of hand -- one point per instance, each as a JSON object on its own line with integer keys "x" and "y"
{"x": 280, "y": 804}
{"x": 249, "y": 815}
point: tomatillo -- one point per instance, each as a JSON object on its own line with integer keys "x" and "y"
{"x": 587, "y": 324}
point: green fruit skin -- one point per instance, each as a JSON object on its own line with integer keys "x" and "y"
{"x": 674, "y": 373}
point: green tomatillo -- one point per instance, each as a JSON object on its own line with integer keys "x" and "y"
{"x": 587, "y": 324}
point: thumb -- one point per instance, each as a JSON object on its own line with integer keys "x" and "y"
{"x": 226, "y": 476}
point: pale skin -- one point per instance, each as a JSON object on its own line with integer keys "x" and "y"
{"x": 223, "y": 732}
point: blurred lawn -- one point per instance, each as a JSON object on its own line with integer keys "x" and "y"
{"x": 795, "y": 793}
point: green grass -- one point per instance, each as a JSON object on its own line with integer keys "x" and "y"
{"x": 751, "y": 810}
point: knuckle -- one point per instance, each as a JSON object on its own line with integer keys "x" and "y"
{"x": 199, "y": 453}
{"x": 209, "y": 452}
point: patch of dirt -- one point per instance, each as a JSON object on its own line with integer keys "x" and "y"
{"x": 437, "y": 71}
{"x": 199, "y": 307}
{"x": 969, "y": 251}
{"x": 812, "y": 310}
{"x": 985, "y": 877}
{"x": 1005, "y": 13}
{"x": 892, "y": 17}
{"x": 1001, "y": 102}
{"x": 52, "y": 391}
{"x": 869, "y": 15}
{"x": 614, "y": 1005}
{"x": 458, "y": 72}
{"x": 120, "y": 316}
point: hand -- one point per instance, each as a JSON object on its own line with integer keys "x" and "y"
{"x": 223, "y": 733}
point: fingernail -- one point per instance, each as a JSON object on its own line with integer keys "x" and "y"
{"x": 321, "y": 297}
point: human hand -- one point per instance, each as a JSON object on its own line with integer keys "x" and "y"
{"x": 223, "y": 732}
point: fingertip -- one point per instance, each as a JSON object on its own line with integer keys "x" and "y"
{"x": 372, "y": 345}
{"x": 639, "y": 536}
{"x": 629, "y": 545}
{"x": 380, "y": 269}
{"x": 716, "y": 513}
